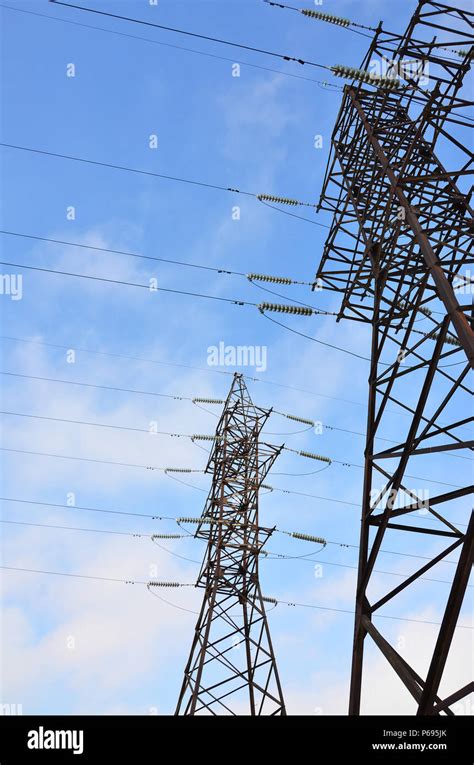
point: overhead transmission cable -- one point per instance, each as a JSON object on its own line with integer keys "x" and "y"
{"x": 74, "y": 508}
{"x": 297, "y": 308}
{"x": 150, "y": 288}
{"x": 176, "y": 585}
{"x": 262, "y": 307}
{"x": 322, "y": 83}
{"x": 207, "y": 437}
{"x": 337, "y": 70}
{"x": 329, "y": 17}
{"x": 345, "y": 23}
{"x": 250, "y": 378}
{"x": 173, "y": 472}
{"x": 168, "y": 470}
{"x": 174, "y": 537}
{"x": 183, "y": 366}
{"x": 261, "y": 197}
{"x": 187, "y": 33}
{"x": 251, "y": 277}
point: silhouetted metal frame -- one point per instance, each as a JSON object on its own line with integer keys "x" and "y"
{"x": 229, "y": 573}
{"x": 395, "y": 269}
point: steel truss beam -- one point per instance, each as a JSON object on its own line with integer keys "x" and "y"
{"x": 399, "y": 250}
{"x": 231, "y": 667}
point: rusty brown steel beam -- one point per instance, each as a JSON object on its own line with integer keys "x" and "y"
{"x": 219, "y": 679}
{"x": 400, "y": 238}
{"x": 448, "y": 625}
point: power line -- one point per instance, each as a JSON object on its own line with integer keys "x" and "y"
{"x": 192, "y": 34}
{"x": 321, "y": 312}
{"x": 161, "y": 469}
{"x": 123, "y": 427}
{"x": 180, "y": 366}
{"x": 342, "y": 23}
{"x": 94, "y": 385}
{"x": 262, "y": 307}
{"x": 169, "y": 470}
{"x": 250, "y": 277}
{"x": 175, "y": 397}
{"x": 294, "y": 215}
{"x": 277, "y": 488}
{"x": 78, "y": 576}
{"x": 75, "y": 528}
{"x": 259, "y": 197}
{"x": 269, "y": 555}
{"x": 58, "y": 506}
{"x": 90, "y": 459}
{"x": 307, "y": 557}
{"x": 334, "y": 347}
{"x": 153, "y": 288}
{"x": 101, "y": 425}
{"x": 95, "y": 424}
{"x": 315, "y": 340}
{"x": 88, "y": 509}
{"x": 108, "y": 250}
{"x": 329, "y": 499}
{"x": 337, "y": 70}
{"x": 129, "y": 284}
{"x": 278, "y": 556}
{"x": 381, "y": 616}
{"x": 329, "y": 85}
{"x": 180, "y": 292}
{"x": 197, "y": 437}
{"x": 128, "y": 169}
{"x": 388, "y": 440}
{"x": 185, "y": 584}
{"x": 175, "y": 554}
{"x": 170, "y": 603}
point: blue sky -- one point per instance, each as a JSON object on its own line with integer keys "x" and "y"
{"x": 256, "y": 133}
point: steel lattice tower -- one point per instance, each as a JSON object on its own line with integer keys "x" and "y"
{"x": 399, "y": 251}
{"x": 231, "y": 667}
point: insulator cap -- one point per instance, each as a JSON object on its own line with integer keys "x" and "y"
{"x": 193, "y": 520}
{"x": 178, "y": 470}
{"x": 326, "y": 17}
{"x": 312, "y": 456}
{"x": 204, "y": 437}
{"x": 163, "y": 584}
{"x": 278, "y": 200}
{"x": 269, "y": 599}
{"x": 449, "y": 339}
{"x": 422, "y": 309}
{"x": 308, "y": 538}
{"x": 166, "y": 536}
{"x": 265, "y": 278}
{"x": 352, "y": 73}
{"x": 299, "y": 419}
{"x": 295, "y": 309}
{"x": 207, "y": 401}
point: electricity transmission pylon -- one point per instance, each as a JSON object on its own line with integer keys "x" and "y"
{"x": 400, "y": 250}
{"x": 231, "y": 667}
